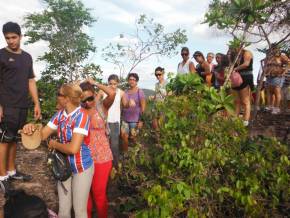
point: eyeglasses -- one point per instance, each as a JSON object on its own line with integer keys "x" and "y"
{"x": 184, "y": 54}
{"x": 132, "y": 79}
{"x": 158, "y": 74}
{"x": 91, "y": 98}
{"x": 60, "y": 94}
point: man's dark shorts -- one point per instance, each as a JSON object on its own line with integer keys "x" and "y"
{"x": 13, "y": 120}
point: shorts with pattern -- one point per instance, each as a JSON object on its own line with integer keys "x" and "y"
{"x": 275, "y": 81}
{"x": 128, "y": 127}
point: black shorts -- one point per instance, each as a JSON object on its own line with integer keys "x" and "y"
{"x": 248, "y": 80}
{"x": 13, "y": 120}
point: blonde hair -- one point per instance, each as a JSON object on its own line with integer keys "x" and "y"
{"x": 73, "y": 92}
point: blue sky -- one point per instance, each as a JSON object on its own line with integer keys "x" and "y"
{"x": 117, "y": 17}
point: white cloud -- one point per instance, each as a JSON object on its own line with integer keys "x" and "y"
{"x": 110, "y": 11}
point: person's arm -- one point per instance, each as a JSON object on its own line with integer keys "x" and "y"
{"x": 206, "y": 67}
{"x": 247, "y": 61}
{"x": 100, "y": 95}
{"x": 34, "y": 94}
{"x": 124, "y": 100}
{"x": 143, "y": 107}
{"x": 192, "y": 67}
{"x": 285, "y": 59}
{"x": 207, "y": 73}
{"x": 71, "y": 148}
{"x": 108, "y": 101}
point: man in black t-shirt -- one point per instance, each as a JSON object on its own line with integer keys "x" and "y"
{"x": 16, "y": 82}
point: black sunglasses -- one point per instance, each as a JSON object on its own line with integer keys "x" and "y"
{"x": 158, "y": 74}
{"x": 91, "y": 98}
{"x": 184, "y": 54}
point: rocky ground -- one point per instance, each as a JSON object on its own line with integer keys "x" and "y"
{"x": 43, "y": 185}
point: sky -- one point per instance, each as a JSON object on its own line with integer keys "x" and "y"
{"x": 115, "y": 17}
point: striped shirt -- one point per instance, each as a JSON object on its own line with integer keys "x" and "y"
{"x": 76, "y": 122}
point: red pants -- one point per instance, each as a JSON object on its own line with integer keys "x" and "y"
{"x": 98, "y": 192}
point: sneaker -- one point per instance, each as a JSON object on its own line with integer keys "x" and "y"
{"x": 276, "y": 110}
{"x": 5, "y": 186}
{"x": 20, "y": 176}
{"x": 268, "y": 108}
{"x": 246, "y": 123}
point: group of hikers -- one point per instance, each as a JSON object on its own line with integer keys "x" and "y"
{"x": 88, "y": 120}
{"x": 275, "y": 67}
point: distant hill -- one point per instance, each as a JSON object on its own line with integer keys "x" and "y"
{"x": 148, "y": 92}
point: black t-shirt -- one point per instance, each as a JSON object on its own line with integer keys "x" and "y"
{"x": 15, "y": 72}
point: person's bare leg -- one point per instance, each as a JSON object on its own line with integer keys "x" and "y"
{"x": 3, "y": 158}
{"x": 11, "y": 156}
{"x": 125, "y": 140}
{"x": 236, "y": 102}
{"x": 155, "y": 124}
{"x": 277, "y": 93}
{"x": 246, "y": 102}
{"x": 273, "y": 98}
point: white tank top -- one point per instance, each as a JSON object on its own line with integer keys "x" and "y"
{"x": 114, "y": 113}
{"x": 183, "y": 69}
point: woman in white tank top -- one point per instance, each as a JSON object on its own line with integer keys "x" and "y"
{"x": 186, "y": 65}
{"x": 114, "y": 117}
{"x": 114, "y": 112}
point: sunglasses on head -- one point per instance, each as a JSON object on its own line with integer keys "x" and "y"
{"x": 184, "y": 54}
{"x": 91, "y": 98}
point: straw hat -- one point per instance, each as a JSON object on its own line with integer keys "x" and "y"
{"x": 33, "y": 141}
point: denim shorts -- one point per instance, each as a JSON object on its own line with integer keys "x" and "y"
{"x": 275, "y": 81}
{"x": 128, "y": 126}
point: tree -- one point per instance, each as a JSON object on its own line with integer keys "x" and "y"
{"x": 258, "y": 18}
{"x": 62, "y": 25}
{"x": 148, "y": 40}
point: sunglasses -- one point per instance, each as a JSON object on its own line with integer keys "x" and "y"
{"x": 184, "y": 54}
{"x": 158, "y": 74}
{"x": 60, "y": 95}
{"x": 91, "y": 98}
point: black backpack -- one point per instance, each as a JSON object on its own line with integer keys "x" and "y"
{"x": 59, "y": 165}
{"x": 21, "y": 205}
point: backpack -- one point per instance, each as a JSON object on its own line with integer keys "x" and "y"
{"x": 21, "y": 205}
{"x": 59, "y": 165}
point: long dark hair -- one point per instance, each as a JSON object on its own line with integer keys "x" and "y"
{"x": 224, "y": 62}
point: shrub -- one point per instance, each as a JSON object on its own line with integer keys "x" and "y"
{"x": 201, "y": 163}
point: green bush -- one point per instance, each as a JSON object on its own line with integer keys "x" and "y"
{"x": 201, "y": 163}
